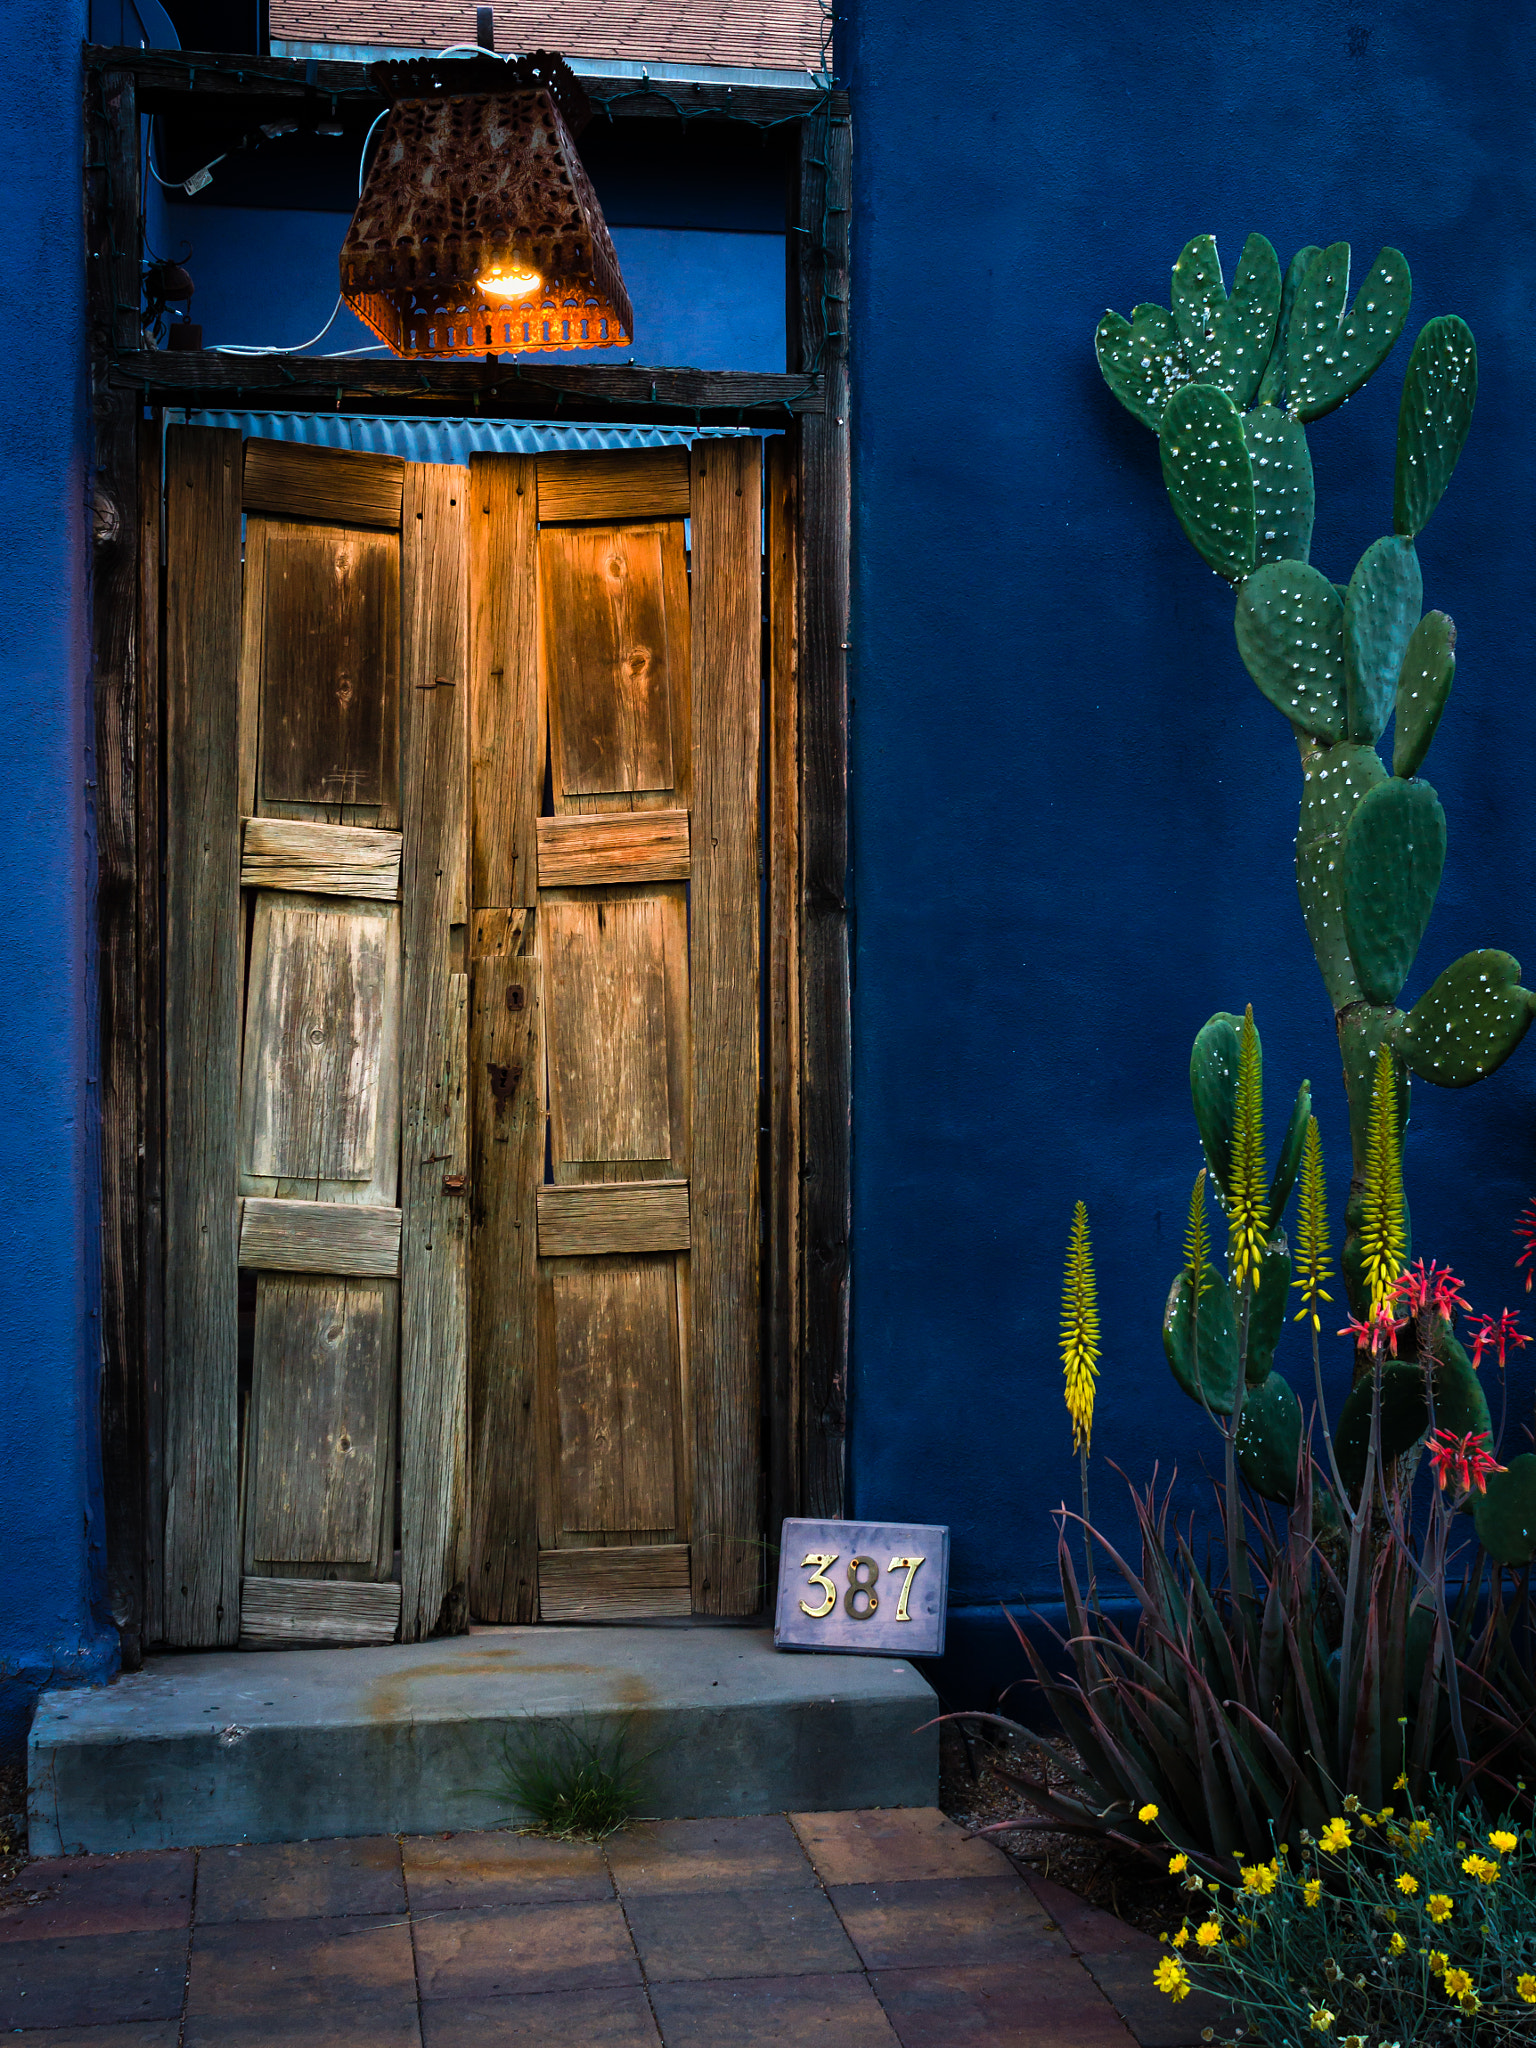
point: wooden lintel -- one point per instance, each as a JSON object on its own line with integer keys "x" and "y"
{"x": 613, "y": 848}
{"x": 167, "y": 79}
{"x": 203, "y": 378}
{"x": 350, "y": 1238}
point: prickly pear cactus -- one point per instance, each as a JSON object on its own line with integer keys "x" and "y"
{"x": 1229, "y": 382}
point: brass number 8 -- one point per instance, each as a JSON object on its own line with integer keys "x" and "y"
{"x": 859, "y": 1583}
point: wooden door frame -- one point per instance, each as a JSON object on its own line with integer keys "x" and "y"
{"x": 807, "y": 1056}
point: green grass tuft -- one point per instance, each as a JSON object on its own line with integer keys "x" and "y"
{"x": 571, "y": 1783}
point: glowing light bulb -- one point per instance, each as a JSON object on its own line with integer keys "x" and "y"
{"x": 508, "y": 281}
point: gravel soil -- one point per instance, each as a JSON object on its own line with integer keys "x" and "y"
{"x": 1136, "y": 1888}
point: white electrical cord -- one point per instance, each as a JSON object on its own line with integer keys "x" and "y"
{"x": 241, "y": 348}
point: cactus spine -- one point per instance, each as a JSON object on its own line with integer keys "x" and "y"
{"x": 1229, "y": 384}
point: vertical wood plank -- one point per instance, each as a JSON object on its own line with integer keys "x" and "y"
{"x": 507, "y": 1160}
{"x": 434, "y": 1052}
{"x": 782, "y": 1200}
{"x": 202, "y": 1561}
{"x": 826, "y": 1040}
{"x": 506, "y": 774}
{"x": 112, "y": 201}
{"x": 724, "y": 1346}
{"x": 151, "y": 1048}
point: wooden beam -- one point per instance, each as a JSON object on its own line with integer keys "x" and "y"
{"x": 725, "y": 1338}
{"x": 202, "y": 995}
{"x": 361, "y": 1242}
{"x": 523, "y": 389}
{"x": 339, "y": 485}
{"x": 288, "y": 1613}
{"x": 167, "y": 79}
{"x": 112, "y": 230}
{"x": 326, "y": 860}
{"x": 150, "y": 1008}
{"x": 781, "y": 1278}
{"x": 613, "y": 849}
{"x": 506, "y": 1034}
{"x": 434, "y": 1052}
{"x": 646, "y": 1582}
{"x": 619, "y": 1216}
{"x": 826, "y": 1032}
{"x": 614, "y": 484}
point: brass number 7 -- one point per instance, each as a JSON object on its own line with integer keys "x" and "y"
{"x": 910, "y": 1565}
{"x": 822, "y": 1559}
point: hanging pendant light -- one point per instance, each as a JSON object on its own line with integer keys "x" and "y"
{"x": 477, "y": 232}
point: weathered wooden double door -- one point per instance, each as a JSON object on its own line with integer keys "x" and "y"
{"x": 462, "y": 1025}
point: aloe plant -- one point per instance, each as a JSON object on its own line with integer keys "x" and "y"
{"x": 1229, "y": 383}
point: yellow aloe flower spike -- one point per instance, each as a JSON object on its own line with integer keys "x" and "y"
{"x": 1312, "y": 1262}
{"x": 1080, "y": 1329}
{"x": 1383, "y": 1238}
{"x": 1197, "y": 1241}
{"x": 1248, "y": 1203}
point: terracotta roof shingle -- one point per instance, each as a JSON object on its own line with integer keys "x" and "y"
{"x": 775, "y": 35}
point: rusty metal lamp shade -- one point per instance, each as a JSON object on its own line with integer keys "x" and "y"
{"x": 477, "y": 232}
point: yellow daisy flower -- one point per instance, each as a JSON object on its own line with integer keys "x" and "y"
{"x": 1438, "y": 1960}
{"x": 1177, "y": 1865}
{"x": 1181, "y": 1937}
{"x": 1419, "y": 1832}
{"x": 1260, "y": 1879}
{"x": 1482, "y": 1868}
{"x": 1335, "y": 1836}
{"x": 1457, "y": 1983}
{"x": 1526, "y": 1987}
{"x": 1407, "y": 1884}
{"x": 1321, "y": 2018}
{"x": 1312, "y": 1890}
{"x": 1147, "y": 1813}
{"x": 1502, "y": 1840}
{"x": 1172, "y": 1977}
{"x": 1400, "y": 1782}
{"x": 1208, "y": 1934}
{"x": 1438, "y": 1907}
{"x": 1397, "y": 1945}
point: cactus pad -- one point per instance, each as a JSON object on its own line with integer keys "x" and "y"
{"x": 1439, "y": 393}
{"x": 1217, "y": 1374}
{"x": 1266, "y": 1315}
{"x": 1290, "y": 633}
{"x": 1209, "y": 477}
{"x": 1394, "y": 852}
{"x": 1283, "y": 500}
{"x": 1505, "y": 1516}
{"x": 1288, "y": 1165}
{"x": 1386, "y": 595}
{"x": 1404, "y": 1419}
{"x": 1331, "y": 352}
{"x": 1227, "y": 341}
{"x": 1423, "y": 684}
{"x": 1272, "y": 384}
{"x": 1142, "y": 361}
{"x": 1213, "y": 1090}
{"x": 1334, "y": 779}
{"x": 1468, "y": 1021}
{"x": 1269, "y": 1439}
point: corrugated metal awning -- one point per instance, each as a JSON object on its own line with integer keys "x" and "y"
{"x": 452, "y": 440}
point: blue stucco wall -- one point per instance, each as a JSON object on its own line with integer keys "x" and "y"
{"x": 1072, "y": 812}
{"x": 50, "y": 1528}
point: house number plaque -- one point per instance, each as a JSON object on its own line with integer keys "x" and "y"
{"x": 875, "y": 1587}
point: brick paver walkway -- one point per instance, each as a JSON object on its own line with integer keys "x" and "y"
{"x": 850, "y": 1930}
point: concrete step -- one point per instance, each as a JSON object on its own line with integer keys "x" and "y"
{"x": 291, "y": 1745}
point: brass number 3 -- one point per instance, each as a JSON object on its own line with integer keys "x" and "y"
{"x": 909, "y": 1565}
{"x": 862, "y": 1574}
{"x": 821, "y": 1559}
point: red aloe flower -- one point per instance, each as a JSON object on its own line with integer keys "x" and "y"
{"x": 1463, "y": 1459}
{"x": 1379, "y": 1330}
{"x": 1500, "y": 1335}
{"x": 1431, "y": 1287}
{"x": 1525, "y": 1230}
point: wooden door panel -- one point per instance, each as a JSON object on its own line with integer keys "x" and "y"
{"x": 619, "y": 848}
{"x": 321, "y": 1478}
{"x": 320, "y": 1094}
{"x": 615, "y": 655}
{"x": 330, "y": 668}
{"x": 615, "y": 1344}
{"x": 615, "y": 969}
{"x": 608, "y": 668}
